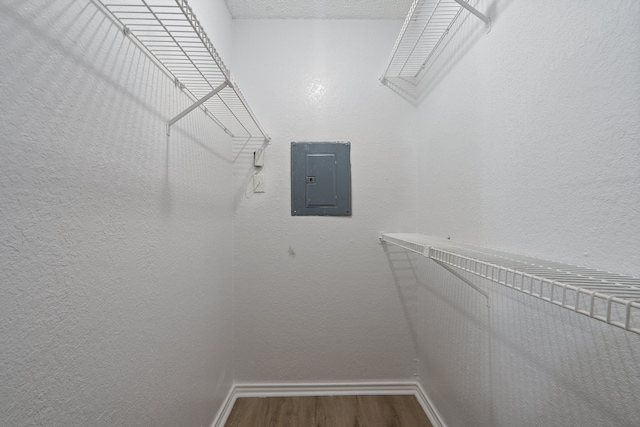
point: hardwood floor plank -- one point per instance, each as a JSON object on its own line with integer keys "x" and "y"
{"x": 328, "y": 411}
{"x": 339, "y": 411}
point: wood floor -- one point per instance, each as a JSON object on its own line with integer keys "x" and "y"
{"x": 328, "y": 411}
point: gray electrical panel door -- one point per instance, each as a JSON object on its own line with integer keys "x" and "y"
{"x": 320, "y": 178}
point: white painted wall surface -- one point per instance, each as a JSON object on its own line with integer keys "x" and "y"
{"x": 314, "y": 295}
{"x": 115, "y": 244}
{"x": 530, "y": 142}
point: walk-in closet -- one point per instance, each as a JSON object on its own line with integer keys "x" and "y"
{"x": 266, "y": 213}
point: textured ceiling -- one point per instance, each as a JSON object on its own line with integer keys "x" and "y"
{"x": 319, "y": 9}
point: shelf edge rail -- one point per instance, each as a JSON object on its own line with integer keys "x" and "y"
{"x": 607, "y": 297}
{"x": 423, "y": 31}
{"x": 169, "y": 32}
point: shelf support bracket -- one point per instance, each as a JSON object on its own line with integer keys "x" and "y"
{"x": 464, "y": 279}
{"x": 196, "y": 105}
{"x": 475, "y": 11}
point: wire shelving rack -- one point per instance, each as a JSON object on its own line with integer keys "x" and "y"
{"x": 171, "y": 33}
{"x": 423, "y": 31}
{"x": 608, "y": 297}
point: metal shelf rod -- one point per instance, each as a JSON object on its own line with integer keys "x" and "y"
{"x": 607, "y": 297}
{"x": 170, "y": 33}
{"x": 422, "y": 36}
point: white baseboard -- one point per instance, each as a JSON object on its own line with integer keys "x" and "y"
{"x": 225, "y": 409}
{"x": 429, "y": 409}
{"x": 327, "y": 389}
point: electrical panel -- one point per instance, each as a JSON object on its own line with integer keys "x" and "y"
{"x": 321, "y": 178}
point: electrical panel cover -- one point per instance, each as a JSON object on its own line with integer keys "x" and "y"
{"x": 321, "y": 178}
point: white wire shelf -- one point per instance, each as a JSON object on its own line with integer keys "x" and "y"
{"x": 171, "y": 33}
{"x": 608, "y": 297}
{"x": 424, "y": 30}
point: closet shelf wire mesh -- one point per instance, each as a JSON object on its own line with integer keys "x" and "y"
{"x": 423, "y": 31}
{"x": 608, "y": 297}
{"x": 171, "y": 33}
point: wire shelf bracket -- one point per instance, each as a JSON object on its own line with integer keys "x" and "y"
{"x": 607, "y": 297}
{"x": 170, "y": 32}
{"x": 424, "y": 30}
{"x": 476, "y": 12}
{"x": 195, "y": 105}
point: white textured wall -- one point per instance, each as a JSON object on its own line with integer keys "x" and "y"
{"x": 115, "y": 245}
{"x": 530, "y": 142}
{"x": 314, "y": 295}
